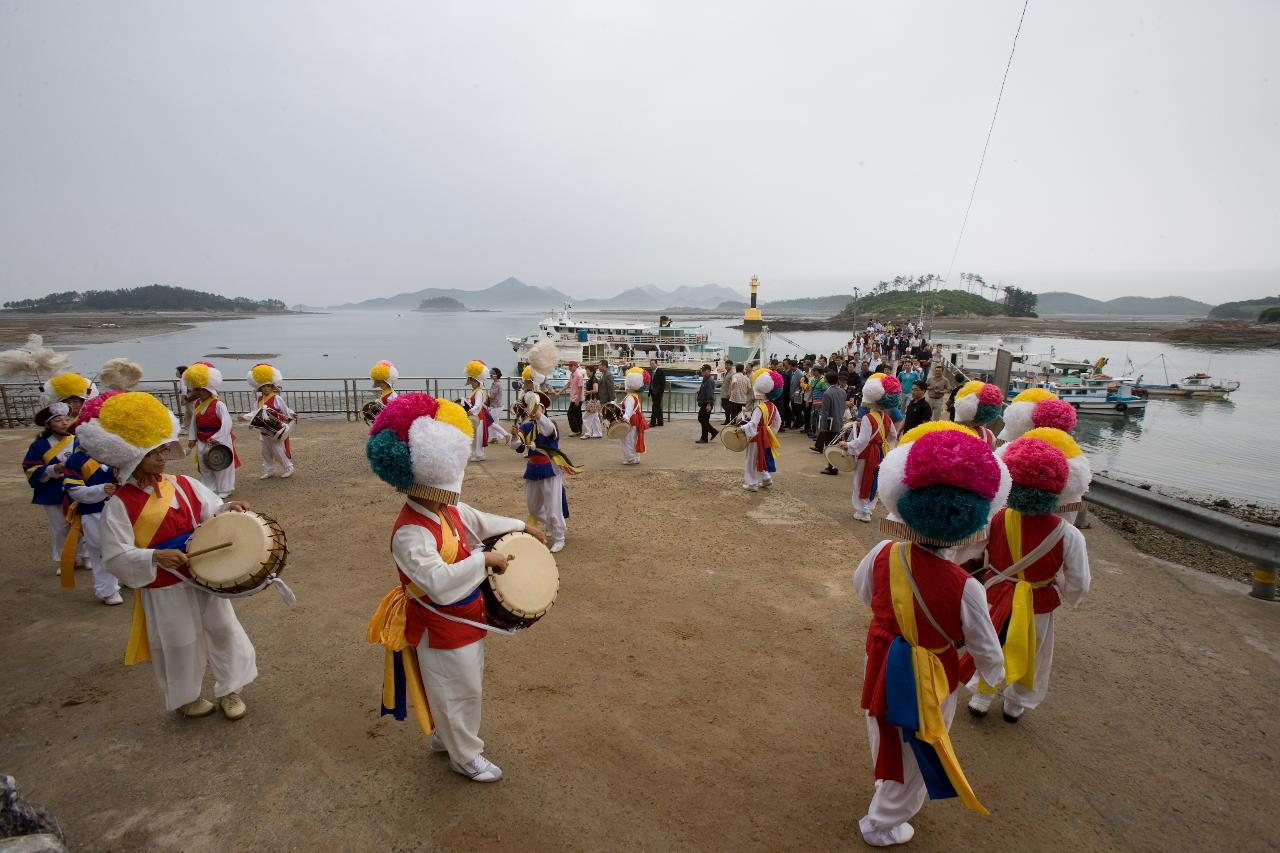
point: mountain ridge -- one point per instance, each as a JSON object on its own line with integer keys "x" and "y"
{"x": 1056, "y": 302}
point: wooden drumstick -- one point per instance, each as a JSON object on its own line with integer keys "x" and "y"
{"x": 210, "y": 549}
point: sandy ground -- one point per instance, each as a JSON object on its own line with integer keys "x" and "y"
{"x": 98, "y": 328}
{"x": 694, "y": 688}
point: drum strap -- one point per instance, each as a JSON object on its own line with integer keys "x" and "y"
{"x": 273, "y": 580}
{"x": 412, "y": 590}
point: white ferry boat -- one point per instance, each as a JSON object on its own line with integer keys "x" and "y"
{"x": 680, "y": 348}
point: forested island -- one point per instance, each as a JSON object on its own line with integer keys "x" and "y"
{"x": 152, "y": 297}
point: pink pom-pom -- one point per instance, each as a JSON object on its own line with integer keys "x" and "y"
{"x": 952, "y": 458}
{"x": 891, "y": 385}
{"x": 93, "y": 406}
{"x": 776, "y": 377}
{"x": 1037, "y": 464}
{"x": 990, "y": 395}
{"x": 1057, "y": 414}
{"x": 401, "y": 412}
{"x": 646, "y": 377}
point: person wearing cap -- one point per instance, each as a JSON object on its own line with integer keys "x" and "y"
{"x": 761, "y": 429}
{"x": 576, "y": 386}
{"x": 941, "y": 490}
{"x": 70, "y": 389}
{"x": 869, "y": 441}
{"x": 432, "y": 622}
{"x": 633, "y": 414}
{"x": 268, "y": 382}
{"x": 384, "y": 376}
{"x": 545, "y": 467}
{"x": 1035, "y": 562}
{"x": 210, "y": 424}
{"x": 179, "y": 626}
{"x": 477, "y": 406}
{"x": 45, "y": 465}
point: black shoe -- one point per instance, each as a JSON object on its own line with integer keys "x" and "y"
{"x": 815, "y": 449}
{"x": 1009, "y": 718}
{"x": 714, "y": 434}
{"x": 700, "y": 441}
{"x": 829, "y": 470}
{"x": 974, "y": 712}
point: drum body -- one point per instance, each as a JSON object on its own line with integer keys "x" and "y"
{"x": 268, "y": 422}
{"x": 734, "y": 438}
{"x": 617, "y": 430}
{"x": 524, "y": 593}
{"x": 615, "y": 427}
{"x": 611, "y": 412}
{"x": 217, "y": 457}
{"x": 257, "y": 551}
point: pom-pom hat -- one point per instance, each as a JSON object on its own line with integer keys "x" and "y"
{"x": 475, "y": 368}
{"x": 264, "y": 374}
{"x": 128, "y": 426}
{"x": 1039, "y": 473}
{"x": 766, "y": 383}
{"x": 1058, "y": 414}
{"x": 883, "y": 390}
{"x": 384, "y": 371}
{"x": 64, "y": 386}
{"x": 635, "y": 378}
{"x": 420, "y": 445}
{"x": 51, "y": 411}
{"x": 1017, "y": 415}
{"x": 93, "y": 406}
{"x": 1079, "y": 471}
{"x": 203, "y": 376}
{"x": 978, "y": 403}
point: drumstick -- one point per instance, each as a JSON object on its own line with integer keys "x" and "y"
{"x": 208, "y": 550}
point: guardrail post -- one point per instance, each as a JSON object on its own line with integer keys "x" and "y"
{"x": 1264, "y": 584}
{"x": 9, "y": 419}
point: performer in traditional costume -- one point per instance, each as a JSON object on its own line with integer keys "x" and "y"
{"x": 71, "y": 389}
{"x": 210, "y": 424}
{"x": 633, "y": 414}
{"x": 384, "y": 376}
{"x": 544, "y": 491}
{"x": 944, "y": 486}
{"x": 178, "y": 626}
{"x": 477, "y": 406}
{"x": 269, "y": 383}
{"x": 760, "y": 460}
{"x": 494, "y": 393}
{"x": 870, "y": 438}
{"x": 977, "y": 404}
{"x": 1036, "y": 561}
{"x": 45, "y": 466}
{"x": 433, "y": 621}
{"x": 1017, "y": 415}
{"x": 87, "y": 484}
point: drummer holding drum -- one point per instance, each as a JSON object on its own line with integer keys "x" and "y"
{"x": 273, "y": 419}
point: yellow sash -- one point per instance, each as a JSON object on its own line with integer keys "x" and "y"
{"x": 1020, "y": 636}
{"x": 771, "y": 438}
{"x": 386, "y": 629}
{"x": 67, "y": 560}
{"x": 932, "y": 686}
{"x": 138, "y": 650}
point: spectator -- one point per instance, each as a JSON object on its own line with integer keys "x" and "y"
{"x": 936, "y": 391}
{"x": 726, "y": 379}
{"x": 918, "y": 409}
{"x": 739, "y": 391}
{"x": 657, "y": 390}
{"x": 706, "y": 403}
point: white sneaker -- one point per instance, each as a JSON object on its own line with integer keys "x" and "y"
{"x": 862, "y": 516}
{"x": 479, "y": 769}
{"x": 980, "y": 703}
{"x": 900, "y": 834}
{"x": 287, "y": 474}
{"x": 437, "y": 745}
{"x": 749, "y": 488}
{"x": 266, "y": 476}
{"x": 557, "y": 548}
{"x": 767, "y": 484}
{"x": 112, "y": 599}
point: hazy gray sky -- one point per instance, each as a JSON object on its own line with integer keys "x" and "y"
{"x": 321, "y": 151}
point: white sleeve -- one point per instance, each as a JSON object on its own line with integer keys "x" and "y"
{"x": 414, "y": 550}
{"x": 752, "y": 426}
{"x": 545, "y": 424}
{"x": 282, "y": 407}
{"x": 628, "y": 407}
{"x": 210, "y": 503}
{"x": 860, "y": 436}
{"x": 88, "y": 494}
{"x": 485, "y": 525}
{"x": 980, "y": 637}
{"x": 775, "y": 422}
{"x": 191, "y": 424}
{"x": 1073, "y": 578}
{"x": 132, "y": 565}
{"x": 864, "y": 575}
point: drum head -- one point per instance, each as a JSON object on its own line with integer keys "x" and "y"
{"x": 734, "y": 438}
{"x": 838, "y": 457}
{"x": 618, "y": 430}
{"x": 217, "y": 457}
{"x": 529, "y": 585}
{"x": 251, "y": 550}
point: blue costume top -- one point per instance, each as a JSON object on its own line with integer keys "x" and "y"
{"x": 42, "y": 453}
{"x": 81, "y": 470}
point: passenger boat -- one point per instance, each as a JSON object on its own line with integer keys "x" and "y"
{"x": 1197, "y": 386}
{"x": 1096, "y": 396}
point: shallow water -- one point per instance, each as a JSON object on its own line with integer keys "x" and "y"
{"x": 1202, "y": 448}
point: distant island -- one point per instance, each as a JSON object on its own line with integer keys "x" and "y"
{"x": 1059, "y": 303}
{"x": 1249, "y": 309}
{"x": 153, "y": 297}
{"x": 440, "y": 303}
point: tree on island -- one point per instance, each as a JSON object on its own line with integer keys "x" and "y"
{"x": 1019, "y": 302}
{"x": 154, "y": 297}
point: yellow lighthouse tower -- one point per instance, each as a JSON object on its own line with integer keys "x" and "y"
{"x": 751, "y": 319}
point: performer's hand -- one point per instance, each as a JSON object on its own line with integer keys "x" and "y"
{"x": 497, "y": 560}
{"x": 536, "y": 533}
{"x": 191, "y": 442}
{"x": 56, "y": 470}
{"x": 170, "y": 559}
{"x": 236, "y": 506}
{"x": 109, "y": 489}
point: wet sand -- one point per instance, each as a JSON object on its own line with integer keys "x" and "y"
{"x": 695, "y": 687}
{"x": 70, "y": 329}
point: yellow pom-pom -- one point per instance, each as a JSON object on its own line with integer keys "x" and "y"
{"x": 635, "y": 370}
{"x": 527, "y": 373}
{"x": 454, "y": 415}
{"x": 932, "y": 426}
{"x": 755, "y": 374}
{"x": 69, "y": 385}
{"x": 475, "y": 368}
{"x": 877, "y": 376}
{"x": 1057, "y": 438}
{"x": 196, "y": 376}
{"x": 263, "y": 373}
{"x": 1034, "y": 395}
{"x": 138, "y": 418}
{"x": 968, "y": 388}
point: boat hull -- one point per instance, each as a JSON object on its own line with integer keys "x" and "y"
{"x": 1186, "y": 393}
{"x": 1117, "y": 408}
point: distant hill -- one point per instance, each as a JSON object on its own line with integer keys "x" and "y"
{"x": 655, "y": 298}
{"x": 508, "y": 293}
{"x": 1058, "y": 302}
{"x": 897, "y": 304}
{"x": 441, "y": 303}
{"x": 153, "y": 297}
{"x": 1247, "y": 310}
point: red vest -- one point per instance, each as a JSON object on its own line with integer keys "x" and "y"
{"x": 1034, "y": 530}
{"x": 941, "y": 584}
{"x": 176, "y": 521}
{"x": 441, "y": 633}
{"x": 208, "y": 422}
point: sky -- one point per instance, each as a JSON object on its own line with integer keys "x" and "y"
{"x": 321, "y": 151}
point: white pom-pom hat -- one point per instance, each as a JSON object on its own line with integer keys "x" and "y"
{"x": 203, "y": 376}
{"x": 128, "y": 427}
{"x": 1017, "y": 415}
{"x": 264, "y": 374}
{"x": 762, "y": 382}
{"x": 64, "y": 386}
{"x": 420, "y": 444}
{"x": 384, "y": 371}
{"x": 635, "y": 378}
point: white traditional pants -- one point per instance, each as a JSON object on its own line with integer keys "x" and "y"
{"x": 894, "y": 803}
{"x": 273, "y": 454}
{"x": 1015, "y": 695}
{"x": 220, "y": 482}
{"x": 496, "y": 432}
{"x": 750, "y": 475}
{"x": 454, "y": 681}
{"x": 591, "y": 425}
{"x": 629, "y": 446}
{"x": 477, "y": 442}
{"x": 187, "y": 629}
{"x": 860, "y": 506}
{"x": 58, "y": 528}
{"x": 105, "y": 584}
{"x": 546, "y": 504}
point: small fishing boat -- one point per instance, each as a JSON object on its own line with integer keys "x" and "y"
{"x": 1197, "y": 386}
{"x": 1116, "y": 397}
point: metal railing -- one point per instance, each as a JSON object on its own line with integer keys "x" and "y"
{"x": 1257, "y": 543}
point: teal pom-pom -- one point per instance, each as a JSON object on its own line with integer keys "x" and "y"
{"x": 889, "y": 401}
{"x": 987, "y": 413}
{"x": 389, "y": 458}
{"x": 944, "y": 513}
{"x": 775, "y": 394}
{"x": 1029, "y": 500}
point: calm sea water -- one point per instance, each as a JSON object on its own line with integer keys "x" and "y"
{"x": 1201, "y": 448}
